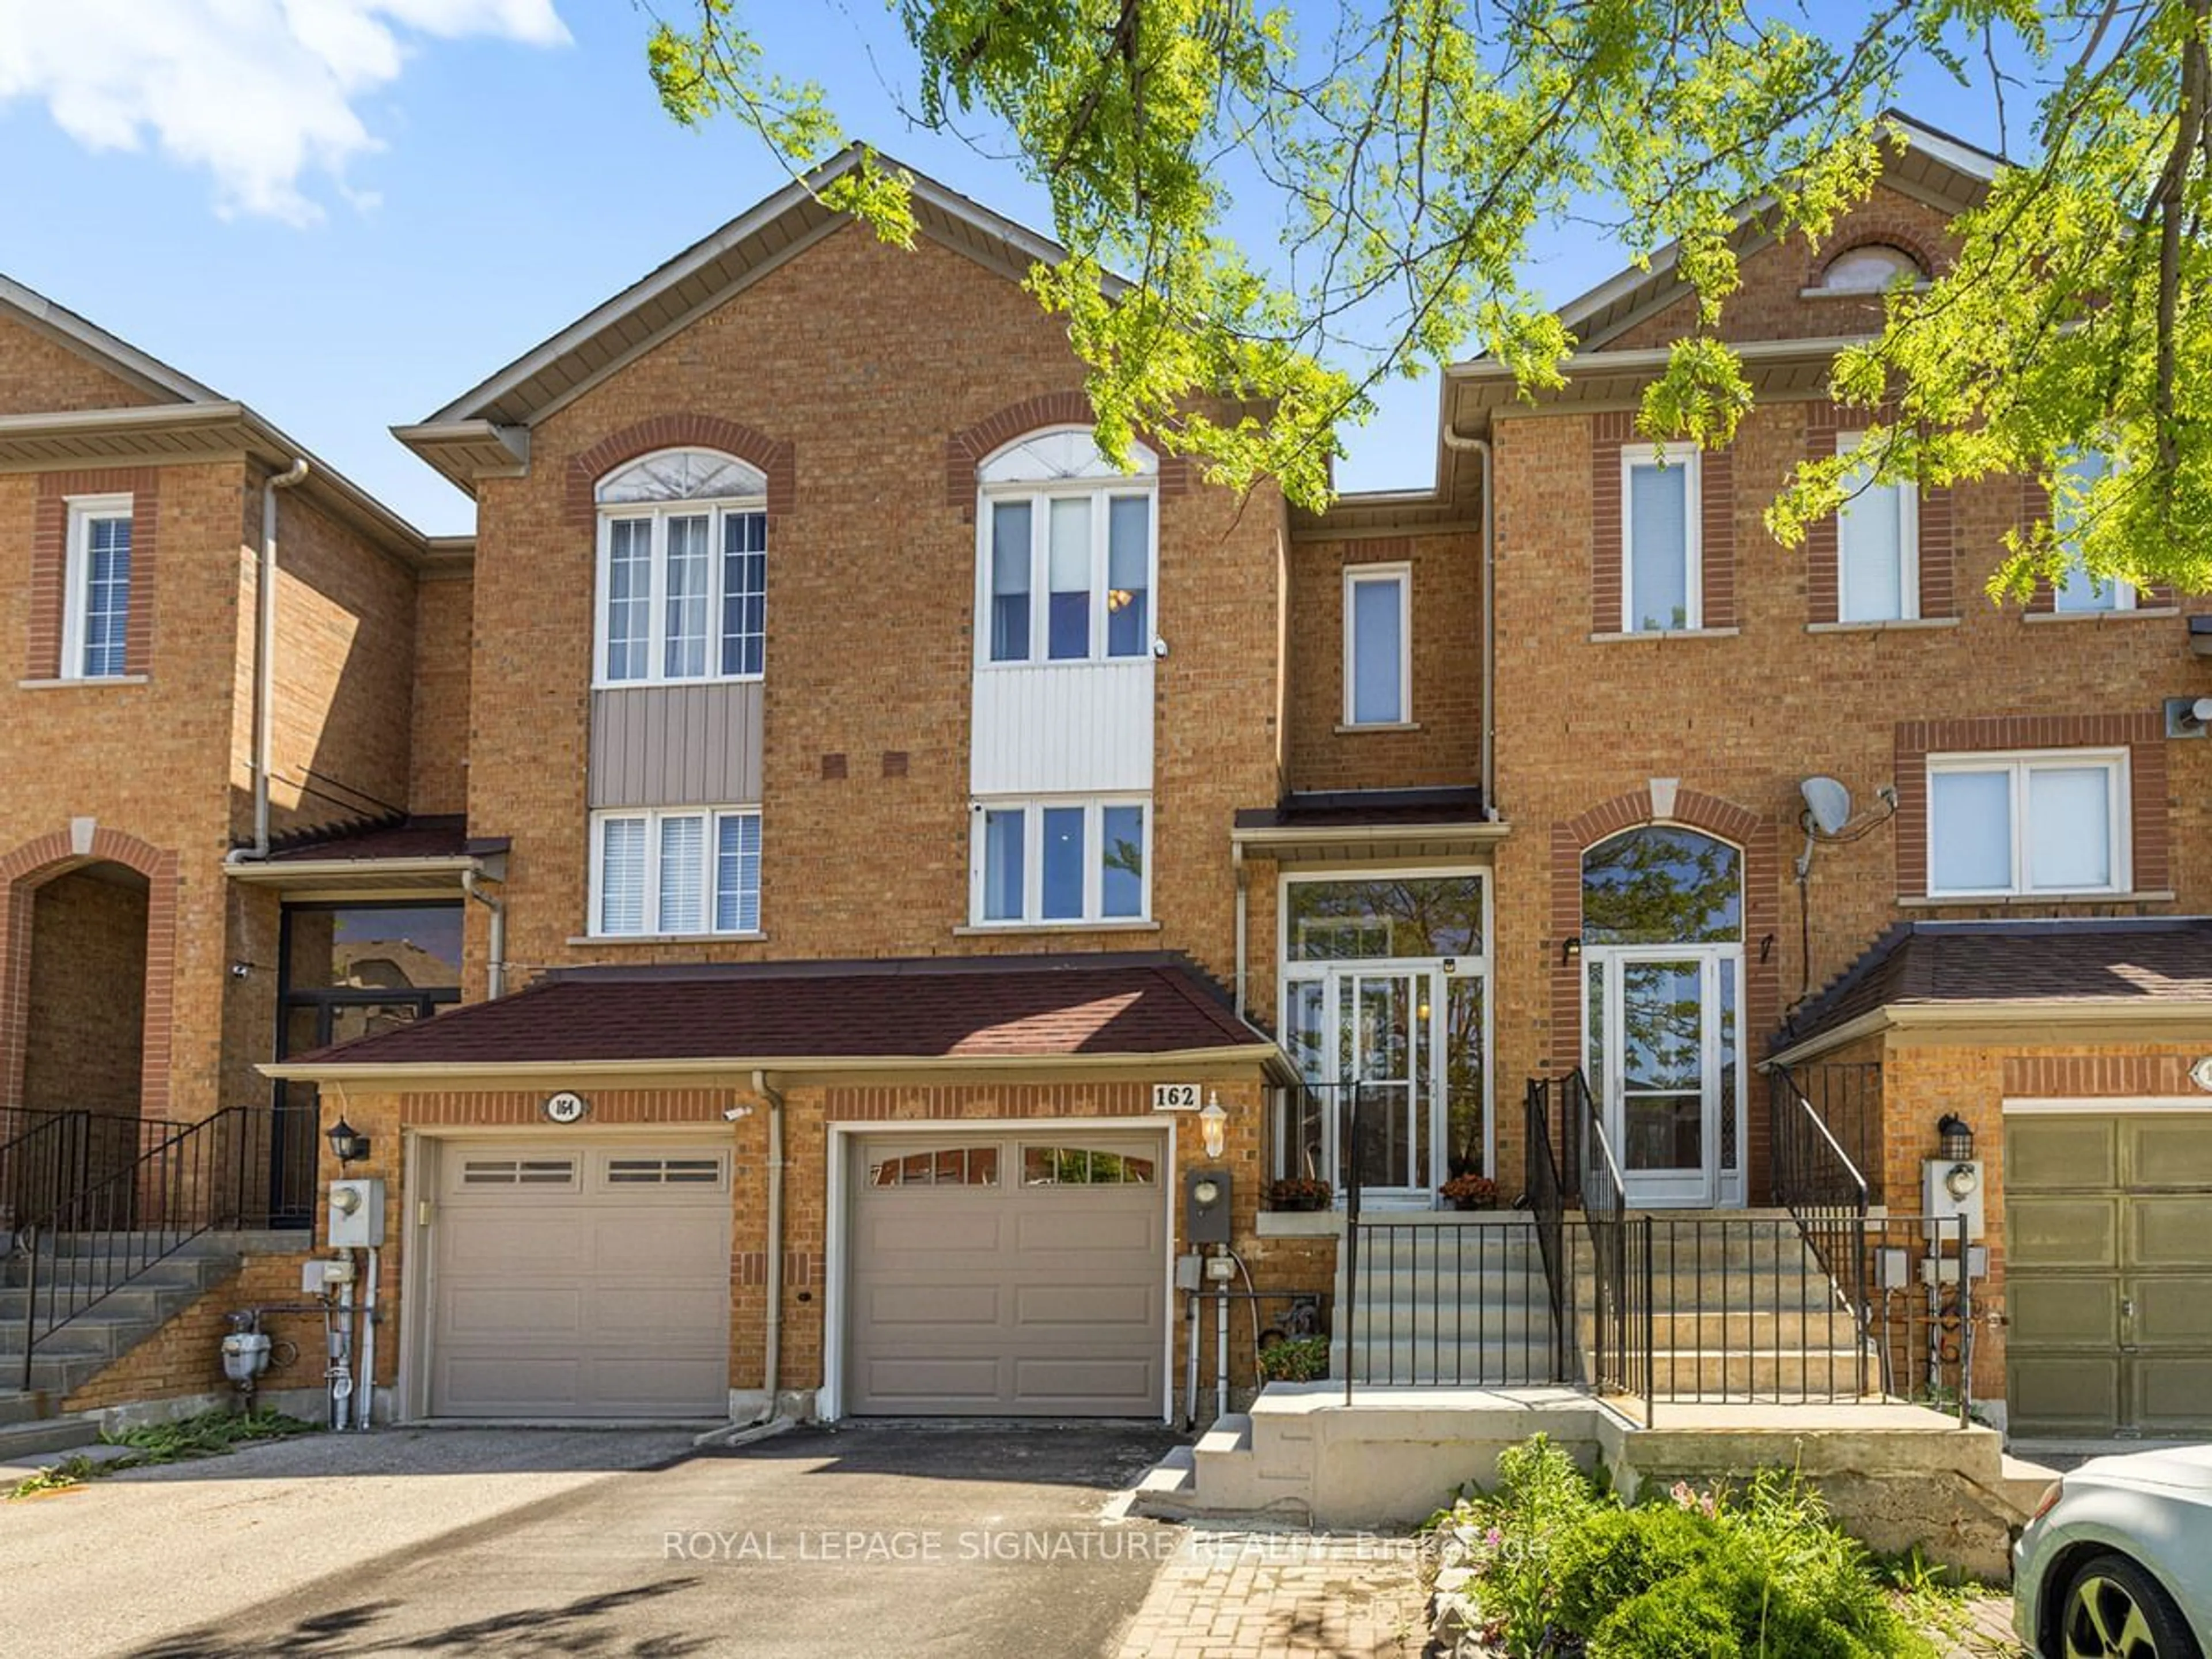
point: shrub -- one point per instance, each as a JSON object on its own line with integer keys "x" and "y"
{"x": 1559, "y": 1567}
{"x": 1294, "y": 1359}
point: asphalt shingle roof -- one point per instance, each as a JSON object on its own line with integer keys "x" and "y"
{"x": 993, "y": 1007}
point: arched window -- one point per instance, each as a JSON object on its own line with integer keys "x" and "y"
{"x": 1062, "y": 523}
{"x": 683, "y": 573}
{"x": 1870, "y": 269}
{"x": 1662, "y": 886}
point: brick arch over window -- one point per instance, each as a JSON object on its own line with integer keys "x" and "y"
{"x": 966, "y": 450}
{"x": 773, "y": 456}
{"x": 1663, "y": 801}
{"x": 1877, "y": 230}
{"x": 28, "y": 868}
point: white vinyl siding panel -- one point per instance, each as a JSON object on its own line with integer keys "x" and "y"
{"x": 1063, "y": 726}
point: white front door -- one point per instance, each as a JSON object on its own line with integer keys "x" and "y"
{"x": 1376, "y": 1034}
{"x": 1666, "y": 1066}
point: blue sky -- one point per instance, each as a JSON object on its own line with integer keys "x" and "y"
{"x": 347, "y": 230}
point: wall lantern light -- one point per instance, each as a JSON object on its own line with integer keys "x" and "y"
{"x": 1214, "y": 1125}
{"x": 1955, "y": 1138}
{"x": 347, "y": 1143}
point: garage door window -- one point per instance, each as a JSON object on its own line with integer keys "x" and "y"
{"x": 519, "y": 1172}
{"x": 664, "y": 1172}
{"x": 950, "y": 1166}
{"x": 1083, "y": 1166}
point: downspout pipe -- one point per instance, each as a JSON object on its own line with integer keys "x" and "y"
{"x": 265, "y": 653}
{"x": 494, "y": 969}
{"x": 1460, "y": 440}
{"x": 772, "y": 1338}
{"x": 1237, "y": 860}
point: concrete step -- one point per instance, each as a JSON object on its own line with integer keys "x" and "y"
{"x": 21, "y": 1442}
{"x": 2022, "y": 1483}
{"x": 1817, "y": 1327}
{"x": 1822, "y": 1372}
{"x": 17, "y": 1406}
{"x": 1168, "y": 1489}
{"x": 193, "y": 1269}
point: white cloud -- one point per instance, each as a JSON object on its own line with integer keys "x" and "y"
{"x": 262, "y": 93}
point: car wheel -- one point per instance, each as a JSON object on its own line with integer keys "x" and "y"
{"x": 2115, "y": 1610}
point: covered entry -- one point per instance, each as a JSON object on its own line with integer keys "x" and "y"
{"x": 581, "y": 1279}
{"x": 998, "y": 1274}
{"x": 2109, "y": 1271}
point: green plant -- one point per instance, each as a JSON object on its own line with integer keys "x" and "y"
{"x": 212, "y": 1434}
{"x": 1302, "y": 1192}
{"x": 59, "y": 1477}
{"x": 1295, "y": 1359}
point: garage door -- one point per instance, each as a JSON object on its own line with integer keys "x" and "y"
{"x": 581, "y": 1280}
{"x": 2109, "y": 1274}
{"x": 1008, "y": 1275}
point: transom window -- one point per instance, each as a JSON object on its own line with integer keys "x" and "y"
{"x": 2052, "y": 821}
{"x": 687, "y": 872}
{"x": 96, "y": 619}
{"x": 1663, "y": 884}
{"x": 1869, "y": 269}
{"x": 1061, "y": 859}
{"x": 1661, "y": 573}
{"x": 946, "y": 1166}
{"x": 1084, "y": 1166}
{"x": 1067, "y": 554}
{"x": 682, "y": 570}
{"x": 1877, "y": 544}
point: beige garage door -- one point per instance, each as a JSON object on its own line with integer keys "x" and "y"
{"x": 577, "y": 1279}
{"x": 2108, "y": 1239}
{"x": 1008, "y": 1275}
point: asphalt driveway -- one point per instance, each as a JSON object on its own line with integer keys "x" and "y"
{"x": 976, "y": 1540}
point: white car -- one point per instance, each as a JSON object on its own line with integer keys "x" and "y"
{"x": 2117, "y": 1562}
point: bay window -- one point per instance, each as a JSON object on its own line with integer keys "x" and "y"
{"x": 682, "y": 570}
{"x": 675, "y": 872}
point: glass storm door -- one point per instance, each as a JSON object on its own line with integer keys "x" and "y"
{"x": 1385, "y": 1045}
{"x": 1665, "y": 1059}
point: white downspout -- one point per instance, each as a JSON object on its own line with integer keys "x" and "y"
{"x": 772, "y": 1339}
{"x": 1481, "y": 447}
{"x": 496, "y": 969}
{"x": 265, "y": 653}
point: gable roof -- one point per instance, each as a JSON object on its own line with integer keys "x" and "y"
{"x": 971, "y": 1011}
{"x": 88, "y": 340}
{"x": 484, "y": 432}
{"x": 1930, "y": 972}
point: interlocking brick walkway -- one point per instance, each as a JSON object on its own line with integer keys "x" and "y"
{"x": 1236, "y": 1595}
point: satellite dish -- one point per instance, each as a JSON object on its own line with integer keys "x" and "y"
{"x": 1827, "y": 804}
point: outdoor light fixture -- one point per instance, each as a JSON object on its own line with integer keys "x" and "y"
{"x": 1955, "y": 1138}
{"x": 1569, "y": 948}
{"x": 1214, "y": 1125}
{"x": 347, "y": 1143}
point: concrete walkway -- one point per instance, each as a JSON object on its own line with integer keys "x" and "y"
{"x": 1239, "y": 1594}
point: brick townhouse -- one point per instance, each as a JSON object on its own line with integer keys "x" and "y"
{"x": 883, "y": 809}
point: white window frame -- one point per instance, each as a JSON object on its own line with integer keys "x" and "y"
{"x": 1634, "y": 455}
{"x": 1032, "y": 917}
{"x": 2018, "y": 764}
{"x": 84, "y": 512}
{"x": 1907, "y": 498}
{"x": 653, "y": 816}
{"x": 1355, "y": 575}
{"x": 1041, "y": 493}
{"x": 717, "y": 510}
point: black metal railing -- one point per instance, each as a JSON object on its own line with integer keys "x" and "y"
{"x": 82, "y": 1241}
{"x": 1458, "y": 1306}
{"x": 46, "y": 1153}
{"x": 1620, "y": 1252}
{"x": 1813, "y": 1174}
{"x": 1546, "y": 1196}
{"x": 1845, "y": 1099}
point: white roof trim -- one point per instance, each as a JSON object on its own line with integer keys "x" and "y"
{"x": 118, "y": 355}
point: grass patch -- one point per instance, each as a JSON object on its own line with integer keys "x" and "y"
{"x": 1550, "y": 1564}
{"x": 212, "y": 1434}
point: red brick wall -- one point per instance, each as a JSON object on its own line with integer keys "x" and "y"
{"x": 47, "y": 599}
{"x": 39, "y": 377}
{"x": 185, "y": 1357}
{"x": 84, "y": 1027}
{"x": 1447, "y": 638}
{"x": 871, "y": 576}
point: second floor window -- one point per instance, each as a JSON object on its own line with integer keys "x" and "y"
{"x": 2077, "y": 591}
{"x": 1661, "y": 581}
{"x": 2046, "y": 821}
{"x": 682, "y": 578}
{"x": 1060, "y": 860}
{"x": 678, "y": 873}
{"x": 1877, "y": 545}
{"x": 1378, "y": 665}
{"x": 96, "y": 622}
{"x": 1068, "y": 552}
